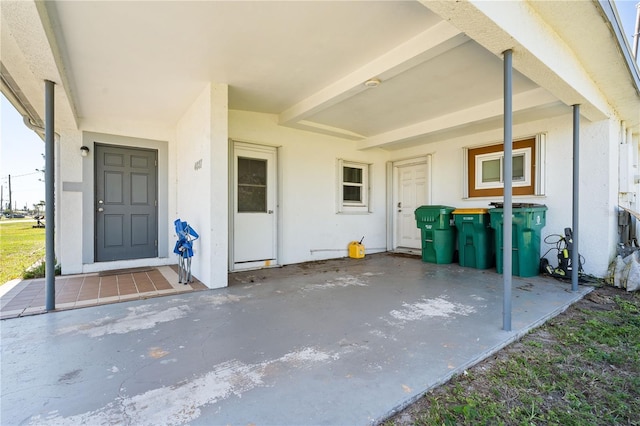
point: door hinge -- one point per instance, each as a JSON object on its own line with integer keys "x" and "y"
{"x": 156, "y": 243}
{"x": 155, "y": 203}
{"x": 155, "y": 163}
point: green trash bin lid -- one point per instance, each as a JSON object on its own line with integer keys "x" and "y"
{"x": 430, "y": 213}
{"x": 437, "y": 207}
{"x": 436, "y": 216}
{"x": 518, "y": 205}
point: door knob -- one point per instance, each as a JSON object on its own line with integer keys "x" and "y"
{"x": 100, "y": 209}
{"x": 270, "y": 212}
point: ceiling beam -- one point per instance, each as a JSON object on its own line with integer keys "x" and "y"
{"x": 493, "y": 109}
{"x": 326, "y": 130}
{"x": 426, "y": 45}
{"x": 539, "y": 53}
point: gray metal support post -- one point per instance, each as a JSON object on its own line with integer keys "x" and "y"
{"x": 575, "y": 226}
{"x": 507, "y": 232}
{"x": 49, "y": 150}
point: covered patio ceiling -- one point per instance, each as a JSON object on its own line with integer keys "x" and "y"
{"x": 304, "y": 62}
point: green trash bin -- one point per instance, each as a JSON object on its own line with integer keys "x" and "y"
{"x": 438, "y": 236}
{"x": 476, "y": 248}
{"x": 527, "y": 223}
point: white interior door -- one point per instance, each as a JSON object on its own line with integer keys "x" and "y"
{"x": 411, "y": 193}
{"x": 255, "y": 199}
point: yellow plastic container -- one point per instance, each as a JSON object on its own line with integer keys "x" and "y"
{"x": 470, "y": 211}
{"x": 356, "y": 250}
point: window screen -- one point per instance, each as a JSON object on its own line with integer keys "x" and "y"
{"x": 252, "y": 185}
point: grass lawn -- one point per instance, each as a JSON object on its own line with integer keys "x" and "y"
{"x": 20, "y": 247}
{"x": 580, "y": 368}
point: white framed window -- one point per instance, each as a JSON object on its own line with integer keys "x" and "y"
{"x": 353, "y": 186}
{"x": 484, "y": 166}
{"x": 489, "y": 169}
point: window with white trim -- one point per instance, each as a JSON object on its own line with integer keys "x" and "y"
{"x": 353, "y": 186}
{"x": 484, "y": 167}
{"x": 490, "y": 167}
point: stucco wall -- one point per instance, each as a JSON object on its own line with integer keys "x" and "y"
{"x": 183, "y": 190}
{"x": 599, "y": 194}
{"x": 86, "y": 206}
{"x": 310, "y": 227}
{"x": 193, "y": 174}
{"x": 69, "y": 211}
{"x": 598, "y": 181}
{"x": 200, "y": 161}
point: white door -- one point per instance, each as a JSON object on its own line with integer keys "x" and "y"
{"x": 411, "y": 193}
{"x": 254, "y": 205}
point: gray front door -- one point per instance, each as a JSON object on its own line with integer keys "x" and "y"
{"x": 126, "y": 203}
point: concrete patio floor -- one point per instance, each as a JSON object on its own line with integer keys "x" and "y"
{"x": 328, "y": 343}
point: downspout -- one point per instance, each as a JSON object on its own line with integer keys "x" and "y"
{"x": 636, "y": 33}
{"x": 32, "y": 126}
{"x": 633, "y": 226}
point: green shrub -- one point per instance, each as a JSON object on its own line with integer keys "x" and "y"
{"x": 38, "y": 270}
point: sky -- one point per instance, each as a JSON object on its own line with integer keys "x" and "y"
{"x": 21, "y": 153}
{"x": 627, "y": 12}
{"x": 21, "y": 149}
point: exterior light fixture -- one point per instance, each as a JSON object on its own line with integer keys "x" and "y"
{"x": 372, "y": 82}
{"x": 84, "y": 151}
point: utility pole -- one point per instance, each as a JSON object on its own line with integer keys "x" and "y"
{"x": 10, "y": 204}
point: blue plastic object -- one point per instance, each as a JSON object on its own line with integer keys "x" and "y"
{"x": 184, "y": 249}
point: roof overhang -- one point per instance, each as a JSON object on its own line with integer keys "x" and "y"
{"x": 127, "y": 67}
